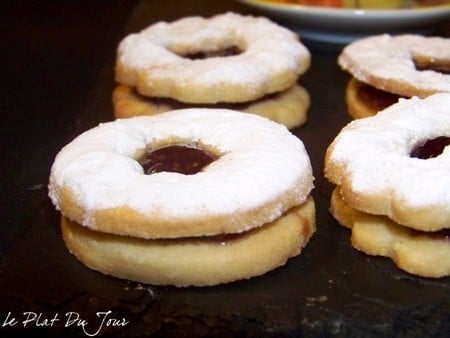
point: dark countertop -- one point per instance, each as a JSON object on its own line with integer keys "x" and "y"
{"x": 57, "y": 64}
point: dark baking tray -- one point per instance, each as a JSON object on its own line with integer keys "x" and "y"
{"x": 58, "y": 67}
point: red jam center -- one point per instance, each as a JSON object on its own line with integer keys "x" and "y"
{"x": 441, "y": 234}
{"x": 440, "y": 66}
{"x": 229, "y": 51}
{"x": 435, "y": 235}
{"x": 176, "y": 158}
{"x": 431, "y": 148}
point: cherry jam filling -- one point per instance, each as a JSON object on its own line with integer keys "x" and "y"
{"x": 438, "y": 235}
{"x": 431, "y": 148}
{"x": 432, "y": 64}
{"x": 442, "y": 234}
{"x": 223, "y": 105}
{"x": 228, "y": 51}
{"x": 187, "y": 160}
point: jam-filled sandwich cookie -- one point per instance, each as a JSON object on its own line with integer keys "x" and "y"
{"x": 228, "y": 59}
{"x": 392, "y": 177}
{"x": 385, "y": 68}
{"x": 184, "y": 197}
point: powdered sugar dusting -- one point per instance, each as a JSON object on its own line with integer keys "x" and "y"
{"x": 155, "y": 54}
{"x": 373, "y": 155}
{"x": 260, "y": 161}
{"x": 387, "y": 62}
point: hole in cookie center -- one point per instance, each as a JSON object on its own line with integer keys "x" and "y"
{"x": 431, "y": 148}
{"x": 183, "y": 159}
{"x": 205, "y": 54}
{"x": 440, "y": 66}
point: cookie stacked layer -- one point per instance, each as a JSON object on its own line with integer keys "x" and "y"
{"x": 184, "y": 197}
{"x": 229, "y": 61}
{"x": 392, "y": 179}
{"x": 385, "y": 68}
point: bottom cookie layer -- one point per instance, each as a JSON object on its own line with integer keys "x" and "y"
{"x": 417, "y": 252}
{"x": 202, "y": 261}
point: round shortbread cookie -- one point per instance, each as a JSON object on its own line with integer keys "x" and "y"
{"x": 199, "y": 261}
{"x": 394, "y": 63}
{"x": 160, "y": 60}
{"x": 419, "y": 253}
{"x": 364, "y": 100}
{"x": 372, "y": 160}
{"x": 260, "y": 171}
{"x": 289, "y": 107}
